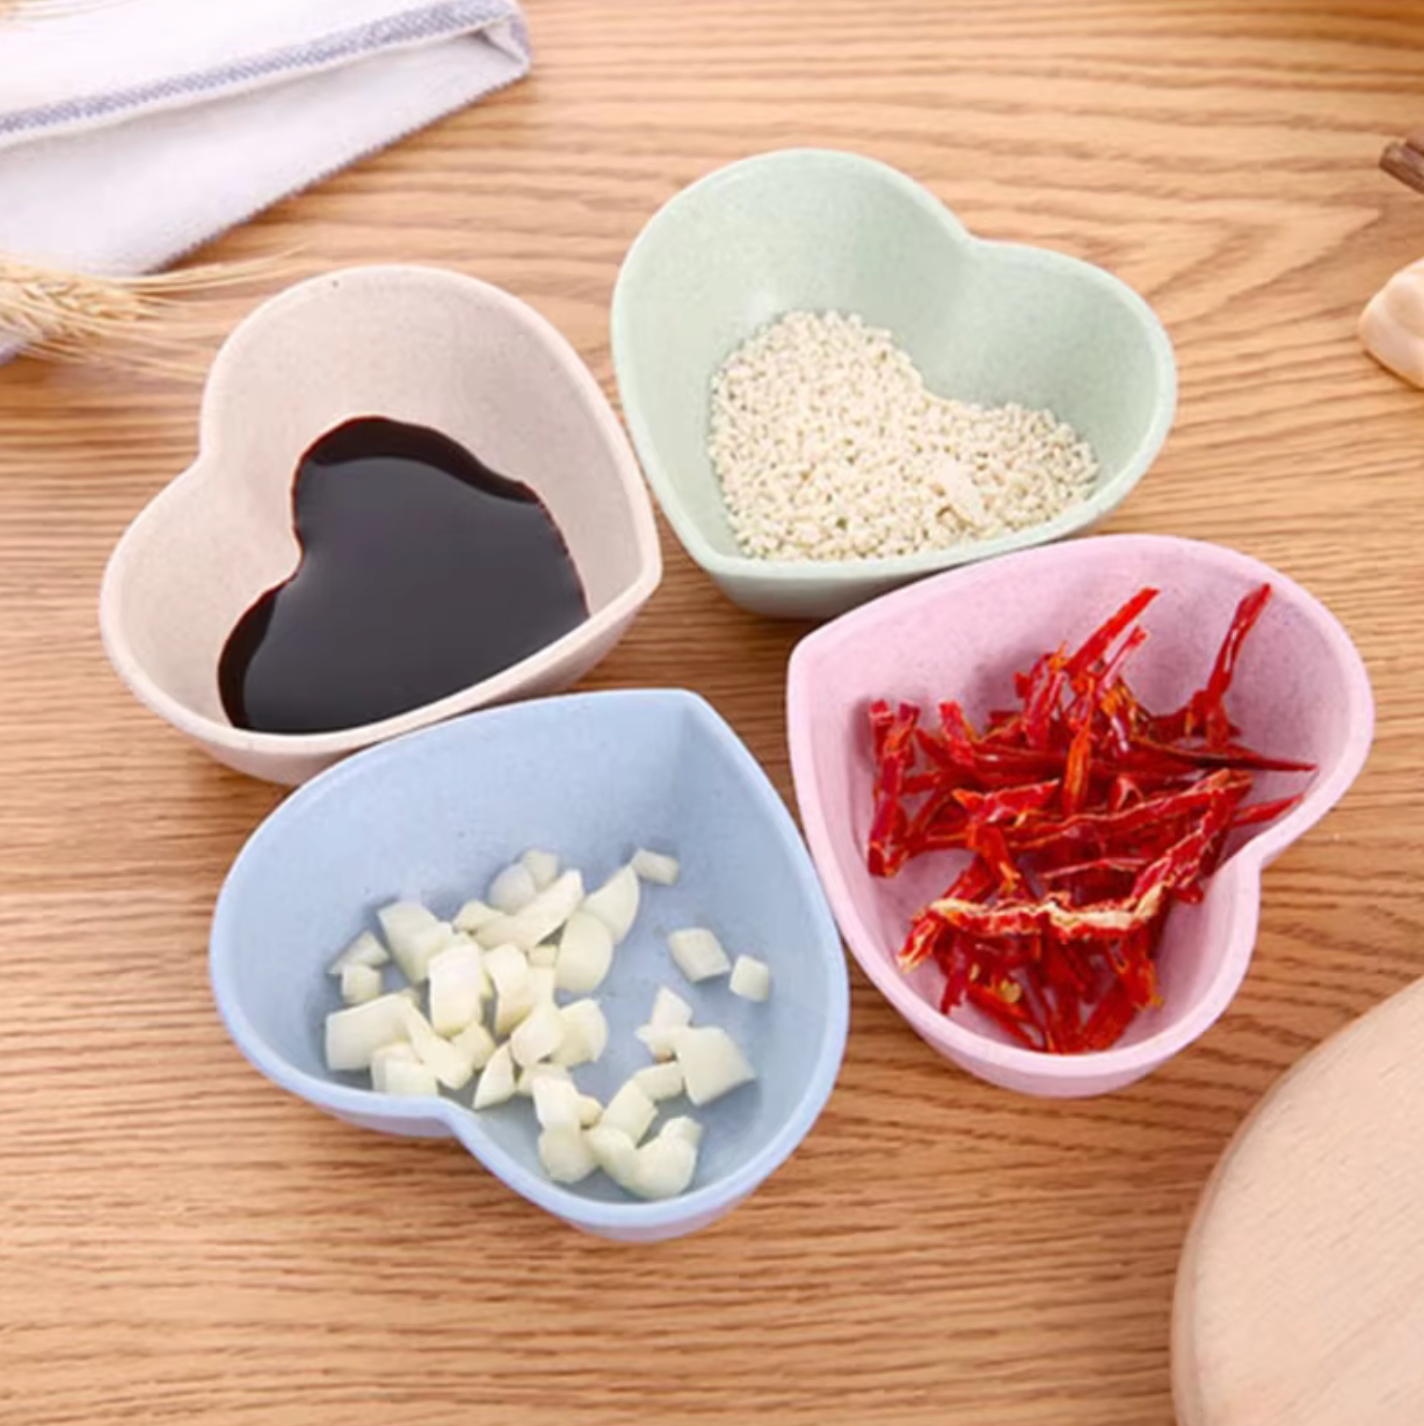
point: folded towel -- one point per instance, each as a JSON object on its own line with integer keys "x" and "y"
{"x": 133, "y": 132}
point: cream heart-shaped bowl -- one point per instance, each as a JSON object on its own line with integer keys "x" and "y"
{"x": 988, "y": 322}
{"x": 426, "y": 346}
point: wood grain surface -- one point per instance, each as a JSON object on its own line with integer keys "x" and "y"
{"x": 181, "y": 1242}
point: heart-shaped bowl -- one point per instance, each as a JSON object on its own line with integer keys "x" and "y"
{"x": 989, "y": 322}
{"x": 1300, "y": 692}
{"x": 591, "y": 777}
{"x": 422, "y": 345}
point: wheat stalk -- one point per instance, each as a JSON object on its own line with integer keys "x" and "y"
{"x": 70, "y": 316}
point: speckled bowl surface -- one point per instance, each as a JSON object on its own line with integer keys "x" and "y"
{"x": 985, "y": 321}
{"x": 591, "y": 777}
{"x": 416, "y": 344}
{"x": 1301, "y": 692}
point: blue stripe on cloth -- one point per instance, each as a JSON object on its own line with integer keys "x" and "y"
{"x": 446, "y": 20}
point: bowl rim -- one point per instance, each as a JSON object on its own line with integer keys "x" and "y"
{"x": 1244, "y": 868}
{"x": 706, "y": 1201}
{"x": 217, "y": 397}
{"x": 874, "y": 572}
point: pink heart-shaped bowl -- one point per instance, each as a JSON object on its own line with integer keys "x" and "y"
{"x": 1300, "y": 692}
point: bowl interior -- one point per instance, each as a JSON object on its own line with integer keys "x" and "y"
{"x": 592, "y": 777}
{"x": 818, "y": 230}
{"x": 1299, "y": 692}
{"x": 417, "y": 345}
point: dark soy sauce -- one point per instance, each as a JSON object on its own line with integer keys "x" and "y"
{"x": 422, "y": 572}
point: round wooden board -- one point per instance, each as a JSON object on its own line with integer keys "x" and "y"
{"x": 1300, "y": 1296}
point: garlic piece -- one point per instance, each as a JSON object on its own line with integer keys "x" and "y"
{"x": 1392, "y": 325}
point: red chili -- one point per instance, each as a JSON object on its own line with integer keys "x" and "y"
{"x": 1084, "y": 817}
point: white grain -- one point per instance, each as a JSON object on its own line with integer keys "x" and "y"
{"x": 828, "y": 446}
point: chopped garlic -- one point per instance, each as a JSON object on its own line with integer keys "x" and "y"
{"x": 585, "y": 953}
{"x": 669, "y": 1008}
{"x": 360, "y": 983}
{"x": 365, "y": 950}
{"x": 655, "y": 867}
{"x": 565, "y": 1154}
{"x": 615, "y": 903}
{"x": 539, "y": 919}
{"x": 414, "y": 935}
{"x": 496, "y": 1082}
{"x": 670, "y": 1012}
{"x": 664, "y": 1167}
{"x": 585, "y": 1033}
{"x": 538, "y": 1035}
{"x": 615, "y": 1153}
{"x": 453, "y": 1065}
{"x": 355, "y": 1034}
{"x": 698, "y": 954}
{"x": 385, "y": 1056}
{"x": 537, "y": 935}
{"x": 1392, "y": 325}
{"x": 530, "y": 1076}
{"x": 409, "y": 1077}
{"x": 630, "y": 1110}
{"x": 543, "y": 867}
{"x": 751, "y": 978}
{"x": 508, "y": 968}
{"x": 556, "y": 1103}
{"x": 683, "y": 1127}
{"x": 474, "y": 914}
{"x": 512, "y": 890}
{"x": 458, "y": 987}
{"x": 476, "y": 1042}
{"x": 663, "y": 1081}
{"x": 712, "y": 1063}
{"x": 657, "y": 1039}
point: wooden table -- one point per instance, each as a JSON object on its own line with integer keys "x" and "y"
{"x": 184, "y": 1243}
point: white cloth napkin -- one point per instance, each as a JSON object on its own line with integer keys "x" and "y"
{"x": 133, "y": 132}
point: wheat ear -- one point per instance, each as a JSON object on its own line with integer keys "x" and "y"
{"x": 72, "y": 316}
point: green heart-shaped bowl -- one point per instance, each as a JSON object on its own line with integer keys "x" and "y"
{"x": 813, "y": 229}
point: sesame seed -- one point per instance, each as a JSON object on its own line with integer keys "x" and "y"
{"x": 828, "y": 445}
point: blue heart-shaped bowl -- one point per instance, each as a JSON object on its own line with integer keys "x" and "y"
{"x": 592, "y": 777}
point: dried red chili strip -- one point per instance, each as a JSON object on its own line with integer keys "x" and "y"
{"x": 1114, "y": 1013}
{"x": 1006, "y": 804}
{"x": 1101, "y": 639}
{"x": 923, "y": 941}
{"x": 939, "y": 817}
{"x": 1107, "y": 827}
{"x": 1258, "y": 812}
{"x": 1182, "y": 862}
{"x": 1041, "y": 696}
{"x": 1076, "y": 772}
{"x": 1087, "y": 816}
{"x": 1208, "y": 716}
{"x": 994, "y": 852}
{"x": 1153, "y": 753}
{"x": 1122, "y": 865}
{"x": 1103, "y": 922}
{"x": 974, "y": 881}
{"x": 891, "y": 737}
{"x": 1013, "y": 1018}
